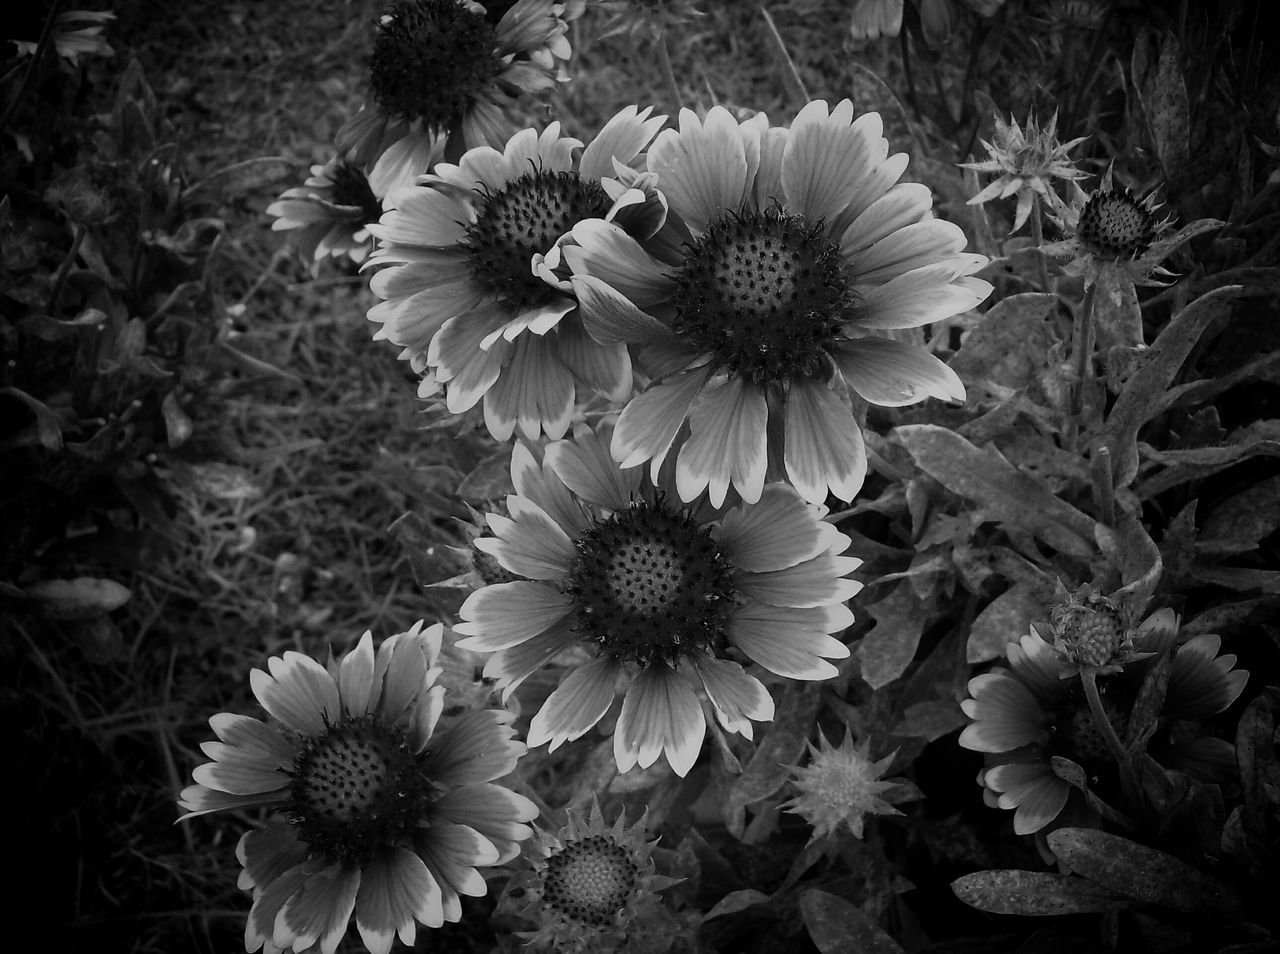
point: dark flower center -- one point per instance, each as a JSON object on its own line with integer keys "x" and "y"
{"x": 525, "y": 218}
{"x": 765, "y": 293}
{"x": 589, "y": 880}
{"x": 1115, "y": 225}
{"x": 431, "y": 60}
{"x": 651, "y": 586}
{"x": 356, "y": 789}
{"x": 351, "y": 187}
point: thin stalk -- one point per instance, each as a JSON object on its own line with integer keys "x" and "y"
{"x": 1037, "y": 236}
{"x": 1082, "y": 341}
{"x": 1089, "y": 680}
{"x": 61, "y": 277}
{"x": 1104, "y": 491}
{"x": 45, "y": 41}
{"x": 912, "y": 97}
{"x": 668, "y": 74}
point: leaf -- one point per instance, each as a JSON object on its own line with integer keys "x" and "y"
{"x": 84, "y": 597}
{"x": 1135, "y": 555}
{"x": 1009, "y": 347}
{"x": 48, "y": 428}
{"x": 888, "y": 649}
{"x": 242, "y": 177}
{"x": 1004, "y": 620}
{"x": 781, "y": 747}
{"x": 1237, "y": 523}
{"x": 1258, "y": 439}
{"x": 839, "y": 927}
{"x": 1157, "y": 76}
{"x": 177, "y": 425}
{"x": 1237, "y": 578}
{"x": 1116, "y": 317}
{"x": 1142, "y": 873}
{"x": 930, "y": 720}
{"x": 736, "y": 901}
{"x": 1005, "y": 494}
{"x": 1034, "y": 893}
{"x": 1259, "y": 773}
{"x": 490, "y": 479}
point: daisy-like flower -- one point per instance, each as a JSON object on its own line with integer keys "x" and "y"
{"x": 1027, "y": 714}
{"x": 76, "y": 33}
{"x": 841, "y": 785}
{"x": 327, "y": 214}
{"x": 592, "y": 887}
{"x": 1113, "y": 237}
{"x": 872, "y": 19}
{"x": 665, "y": 595}
{"x": 1091, "y": 633}
{"x": 798, "y": 248}
{"x": 1026, "y": 164}
{"x": 461, "y": 295}
{"x": 452, "y": 68}
{"x": 387, "y": 814}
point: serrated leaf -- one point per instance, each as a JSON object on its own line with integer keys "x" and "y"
{"x": 1157, "y": 75}
{"x": 736, "y": 901}
{"x": 1004, "y": 620}
{"x": 888, "y": 649}
{"x": 780, "y": 747}
{"x": 1144, "y": 874}
{"x": 1035, "y": 893}
{"x": 985, "y": 477}
{"x": 838, "y": 927}
{"x": 84, "y": 597}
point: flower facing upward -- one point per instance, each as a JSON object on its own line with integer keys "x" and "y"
{"x": 841, "y": 786}
{"x": 452, "y": 68}
{"x": 798, "y": 248}
{"x": 665, "y": 595}
{"x": 328, "y": 213}
{"x": 461, "y": 295}
{"x": 591, "y": 886}
{"x": 1026, "y": 164}
{"x": 1027, "y": 714}
{"x": 387, "y": 814}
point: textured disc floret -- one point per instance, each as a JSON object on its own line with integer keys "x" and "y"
{"x": 765, "y": 293}
{"x": 524, "y": 218}
{"x": 351, "y": 188}
{"x": 1116, "y": 225}
{"x": 356, "y": 789}
{"x": 430, "y": 60}
{"x": 590, "y": 879}
{"x": 651, "y": 585}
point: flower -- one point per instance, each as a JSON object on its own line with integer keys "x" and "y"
{"x": 76, "y": 33}
{"x": 387, "y": 814}
{"x": 327, "y": 214}
{"x": 1112, "y": 237}
{"x": 591, "y": 886}
{"x": 461, "y": 295}
{"x": 1026, "y": 715}
{"x": 1092, "y": 633}
{"x": 872, "y": 19}
{"x": 451, "y": 68}
{"x": 841, "y": 785}
{"x": 798, "y": 248}
{"x": 664, "y": 594}
{"x": 1026, "y": 164}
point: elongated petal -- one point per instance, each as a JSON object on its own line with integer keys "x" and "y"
{"x": 893, "y": 373}
{"x": 254, "y": 741}
{"x": 702, "y": 168}
{"x": 736, "y": 698}
{"x": 506, "y": 614}
{"x": 529, "y": 543}
{"x": 659, "y": 713}
{"x": 319, "y": 912}
{"x": 787, "y": 641}
{"x": 578, "y": 704}
{"x": 1031, "y": 788}
{"x": 586, "y": 467}
{"x": 607, "y": 253}
{"x": 779, "y": 531}
{"x": 726, "y": 445}
{"x": 355, "y": 678}
{"x": 918, "y": 297}
{"x": 649, "y": 424}
{"x": 824, "y": 155}
{"x": 495, "y": 812}
{"x": 396, "y": 888}
{"x": 541, "y": 485}
{"x": 823, "y": 447}
{"x": 1005, "y": 713}
{"x": 510, "y": 667}
{"x": 298, "y": 692}
{"x": 623, "y": 138}
{"x": 476, "y": 747}
{"x": 237, "y": 779}
{"x": 815, "y": 582}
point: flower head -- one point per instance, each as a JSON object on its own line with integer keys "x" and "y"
{"x": 387, "y": 813}
{"x": 667, "y": 597}
{"x": 328, "y": 213}
{"x": 461, "y": 294}
{"x": 1093, "y": 633}
{"x": 842, "y": 785}
{"x": 1026, "y": 164}
{"x": 1026, "y": 715}
{"x": 452, "y": 68}
{"x": 759, "y": 307}
{"x": 592, "y": 886}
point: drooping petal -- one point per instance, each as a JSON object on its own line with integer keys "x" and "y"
{"x": 579, "y": 702}
{"x": 736, "y": 697}
{"x": 893, "y": 373}
{"x": 815, "y": 582}
{"x": 726, "y": 445}
{"x": 319, "y": 912}
{"x": 1031, "y": 788}
{"x": 823, "y": 446}
{"x": 510, "y": 667}
{"x": 659, "y": 713}
{"x": 268, "y": 853}
{"x": 649, "y": 424}
{"x": 495, "y": 812}
{"x": 787, "y": 641}
{"x": 396, "y": 888}
{"x": 606, "y": 252}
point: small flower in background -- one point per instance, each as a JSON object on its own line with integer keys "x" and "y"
{"x": 666, "y": 595}
{"x": 1026, "y": 163}
{"x": 872, "y": 19}
{"x": 387, "y": 814}
{"x": 1027, "y": 714}
{"x": 461, "y": 295}
{"x": 641, "y": 17}
{"x": 328, "y": 214}
{"x": 1113, "y": 237}
{"x": 841, "y": 785}
{"x": 763, "y": 317}
{"x": 1091, "y": 632}
{"x": 592, "y": 887}
{"x": 451, "y": 68}
{"x": 76, "y": 33}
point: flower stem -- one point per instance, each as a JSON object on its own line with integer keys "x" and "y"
{"x": 1082, "y": 341}
{"x": 668, "y": 74}
{"x": 1037, "y": 236}
{"x": 61, "y": 277}
{"x": 1089, "y": 680}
